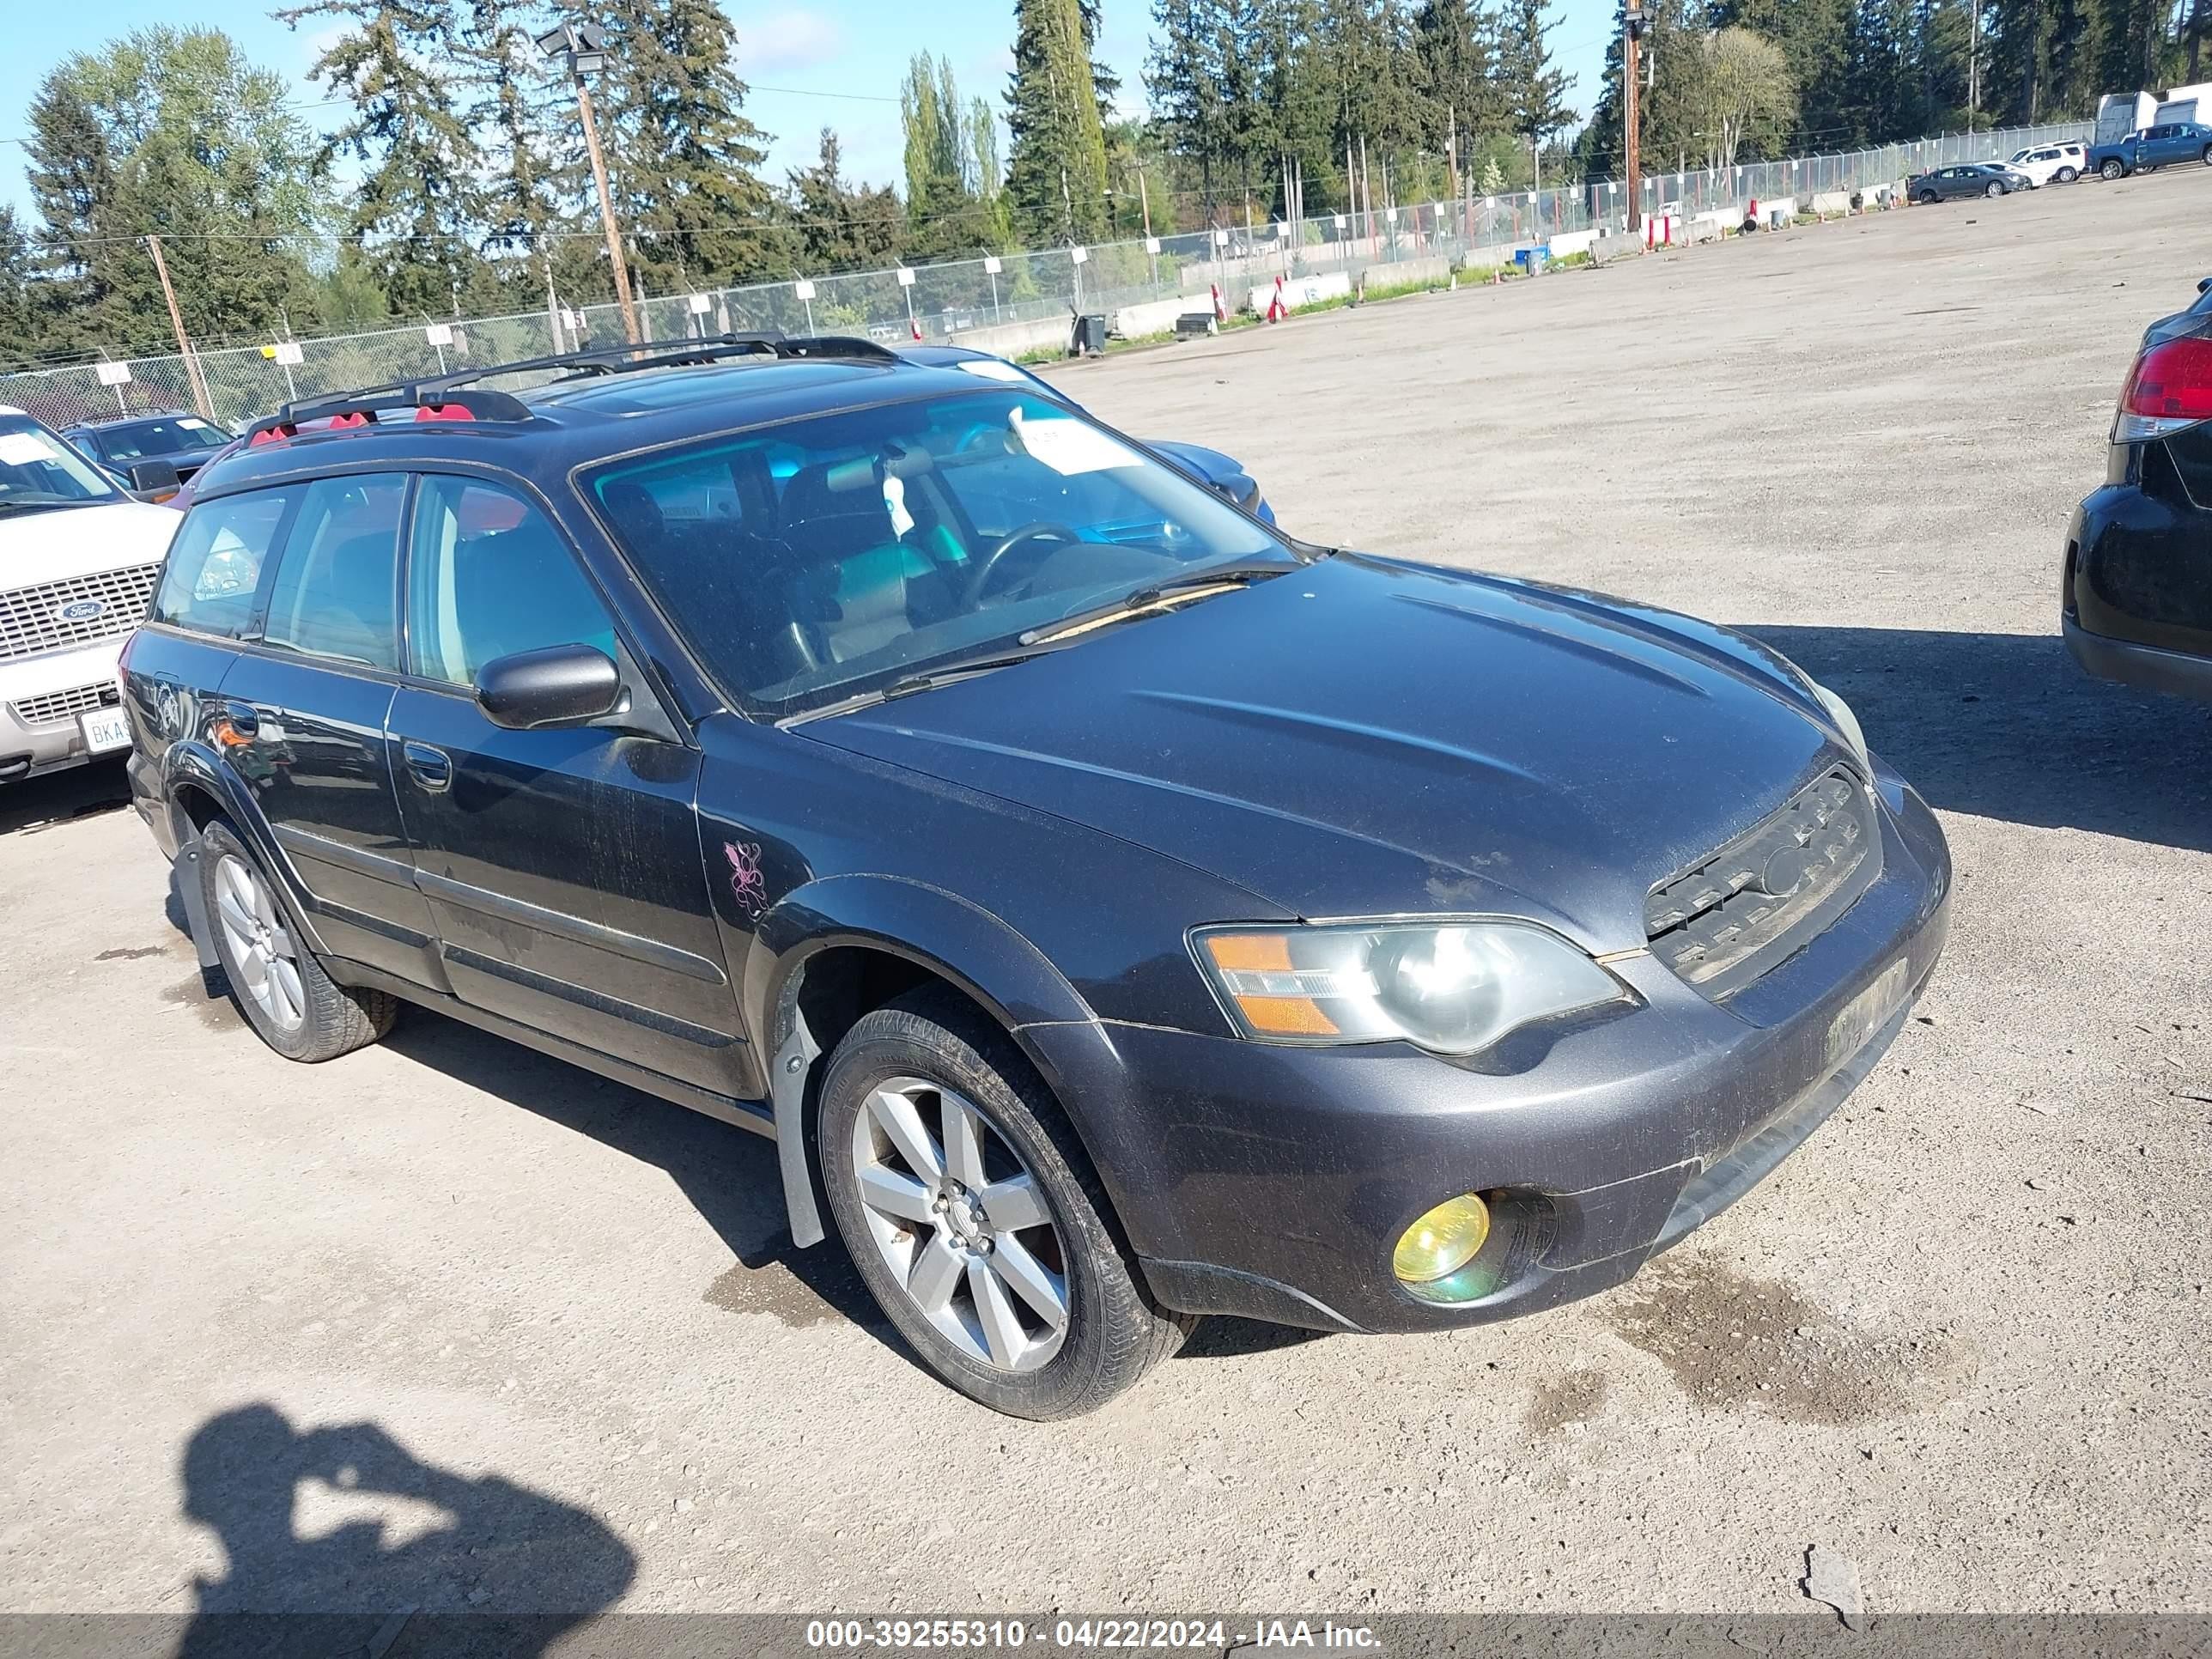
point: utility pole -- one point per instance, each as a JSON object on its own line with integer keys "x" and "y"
{"x": 581, "y": 48}
{"x": 200, "y": 398}
{"x": 1632, "y": 25}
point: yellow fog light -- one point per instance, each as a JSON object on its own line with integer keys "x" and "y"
{"x": 1441, "y": 1242}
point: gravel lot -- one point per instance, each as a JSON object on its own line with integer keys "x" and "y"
{"x": 1960, "y": 1338}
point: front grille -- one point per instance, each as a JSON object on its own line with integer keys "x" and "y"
{"x": 74, "y": 611}
{"x": 1753, "y": 903}
{"x": 58, "y": 706}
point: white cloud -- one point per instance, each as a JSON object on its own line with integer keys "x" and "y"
{"x": 786, "y": 42}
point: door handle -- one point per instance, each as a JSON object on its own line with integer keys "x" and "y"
{"x": 432, "y": 768}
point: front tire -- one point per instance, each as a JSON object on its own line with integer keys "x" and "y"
{"x": 276, "y": 980}
{"x": 1994, "y": 191}
{"x": 973, "y": 1217}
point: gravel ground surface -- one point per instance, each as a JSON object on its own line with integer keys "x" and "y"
{"x": 349, "y": 1336}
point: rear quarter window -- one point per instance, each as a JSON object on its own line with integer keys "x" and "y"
{"x": 217, "y": 561}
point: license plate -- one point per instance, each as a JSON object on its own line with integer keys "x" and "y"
{"x": 1865, "y": 1014}
{"x": 104, "y": 729}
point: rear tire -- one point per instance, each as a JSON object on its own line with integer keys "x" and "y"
{"x": 954, "y": 1178}
{"x": 276, "y": 980}
{"x": 1928, "y": 198}
{"x": 2066, "y": 175}
{"x": 2207, "y": 155}
{"x": 2112, "y": 170}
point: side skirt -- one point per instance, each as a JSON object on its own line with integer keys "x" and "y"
{"x": 757, "y": 1115}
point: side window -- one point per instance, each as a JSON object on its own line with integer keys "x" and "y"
{"x": 336, "y": 590}
{"x": 488, "y": 576}
{"x": 214, "y": 563}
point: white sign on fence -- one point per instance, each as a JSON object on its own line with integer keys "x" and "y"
{"x": 701, "y": 304}
{"x": 1221, "y": 239}
{"x": 288, "y": 351}
{"x": 438, "y": 334}
{"x": 802, "y": 289}
{"x": 1151, "y": 244}
{"x": 112, "y": 373}
{"x": 905, "y": 277}
{"x": 1339, "y": 222}
{"x": 1276, "y": 230}
{"x": 1391, "y": 214}
{"x": 991, "y": 265}
{"x": 1078, "y": 254}
{"x": 572, "y": 320}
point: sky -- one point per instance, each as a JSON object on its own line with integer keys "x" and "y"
{"x": 832, "y": 62}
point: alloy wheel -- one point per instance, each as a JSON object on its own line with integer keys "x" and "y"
{"x": 960, "y": 1219}
{"x": 261, "y": 946}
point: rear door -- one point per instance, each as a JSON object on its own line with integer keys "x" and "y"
{"x": 309, "y": 693}
{"x": 563, "y": 866}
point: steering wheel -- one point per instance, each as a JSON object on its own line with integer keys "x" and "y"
{"x": 1042, "y": 530}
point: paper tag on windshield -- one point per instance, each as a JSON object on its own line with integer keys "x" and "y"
{"x": 192, "y": 422}
{"x": 1069, "y": 446}
{"x": 23, "y": 449}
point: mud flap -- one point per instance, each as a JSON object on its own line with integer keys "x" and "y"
{"x": 191, "y": 893}
{"x": 794, "y": 1063}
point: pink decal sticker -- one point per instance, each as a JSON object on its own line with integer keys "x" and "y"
{"x": 746, "y": 878}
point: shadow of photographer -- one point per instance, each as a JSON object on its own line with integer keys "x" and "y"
{"x": 338, "y": 1540}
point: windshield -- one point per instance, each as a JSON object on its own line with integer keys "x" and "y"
{"x": 170, "y": 434}
{"x": 821, "y": 559}
{"x": 38, "y": 470}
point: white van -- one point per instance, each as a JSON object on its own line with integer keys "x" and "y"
{"x": 77, "y": 563}
{"x": 2046, "y": 164}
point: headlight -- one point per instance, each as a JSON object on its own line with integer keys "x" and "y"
{"x": 1453, "y": 987}
{"x": 1847, "y": 722}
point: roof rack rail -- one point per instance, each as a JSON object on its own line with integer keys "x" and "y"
{"x": 429, "y": 401}
{"x": 450, "y": 396}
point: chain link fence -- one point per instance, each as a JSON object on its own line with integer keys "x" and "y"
{"x": 998, "y": 302}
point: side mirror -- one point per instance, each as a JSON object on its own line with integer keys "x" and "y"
{"x": 559, "y": 685}
{"x": 150, "y": 476}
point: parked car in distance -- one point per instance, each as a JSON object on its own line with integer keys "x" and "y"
{"x": 77, "y": 563}
{"x": 2051, "y": 164}
{"x": 2135, "y": 600}
{"x": 1210, "y": 467}
{"x": 1124, "y": 911}
{"x": 2170, "y": 144}
{"x": 139, "y": 446}
{"x": 1967, "y": 178}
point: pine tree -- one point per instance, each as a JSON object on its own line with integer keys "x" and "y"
{"x": 1056, "y": 174}
{"x": 684, "y": 159}
{"x": 1535, "y": 92}
{"x": 841, "y": 225}
{"x": 413, "y": 211}
{"x": 951, "y": 165}
{"x": 513, "y": 110}
{"x": 1454, "y": 47}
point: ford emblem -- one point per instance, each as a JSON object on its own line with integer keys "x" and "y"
{"x": 82, "y": 611}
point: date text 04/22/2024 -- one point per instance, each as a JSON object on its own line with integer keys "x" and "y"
{"x": 1085, "y": 1634}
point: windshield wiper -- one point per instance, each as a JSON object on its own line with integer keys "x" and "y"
{"x": 1156, "y": 594}
{"x": 943, "y": 673}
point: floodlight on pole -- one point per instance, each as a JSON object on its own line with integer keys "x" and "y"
{"x": 582, "y": 49}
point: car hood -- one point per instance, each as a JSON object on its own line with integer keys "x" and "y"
{"x": 1363, "y": 738}
{"x": 81, "y": 541}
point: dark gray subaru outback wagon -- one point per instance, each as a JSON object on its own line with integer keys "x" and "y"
{"x": 1115, "y": 910}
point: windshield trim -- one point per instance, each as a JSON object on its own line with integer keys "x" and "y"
{"x": 758, "y": 713}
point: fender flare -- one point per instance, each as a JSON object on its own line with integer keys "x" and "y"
{"x": 197, "y": 765}
{"x": 936, "y": 930}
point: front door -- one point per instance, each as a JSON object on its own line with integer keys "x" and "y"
{"x": 562, "y": 867}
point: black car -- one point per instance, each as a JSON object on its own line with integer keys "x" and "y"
{"x": 131, "y": 446}
{"x": 2136, "y": 601}
{"x": 1969, "y": 179}
{"x": 1114, "y": 911}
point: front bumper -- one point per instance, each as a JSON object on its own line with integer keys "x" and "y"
{"x": 1272, "y": 1182}
{"x": 40, "y": 698}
